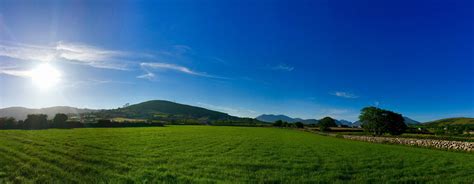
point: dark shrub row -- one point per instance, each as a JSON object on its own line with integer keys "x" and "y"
{"x": 40, "y": 121}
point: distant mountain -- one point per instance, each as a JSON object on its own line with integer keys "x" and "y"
{"x": 451, "y": 121}
{"x": 20, "y": 113}
{"x": 343, "y": 122}
{"x": 270, "y": 118}
{"x": 165, "y": 110}
{"x": 310, "y": 121}
{"x": 409, "y": 121}
{"x": 357, "y": 124}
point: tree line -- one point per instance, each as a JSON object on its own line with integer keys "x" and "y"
{"x": 40, "y": 121}
{"x": 373, "y": 120}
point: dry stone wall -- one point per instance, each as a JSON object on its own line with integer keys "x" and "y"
{"x": 440, "y": 144}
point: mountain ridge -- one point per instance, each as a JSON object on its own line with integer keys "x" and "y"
{"x": 20, "y": 113}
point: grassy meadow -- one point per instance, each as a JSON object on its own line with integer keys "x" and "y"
{"x": 211, "y": 154}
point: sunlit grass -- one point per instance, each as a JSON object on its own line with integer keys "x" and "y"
{"x": 217, "y": 154}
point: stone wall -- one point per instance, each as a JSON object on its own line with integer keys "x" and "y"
{"x": 440, "y": 144}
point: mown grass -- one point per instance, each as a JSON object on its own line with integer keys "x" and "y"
{"x": 211, "y": 154}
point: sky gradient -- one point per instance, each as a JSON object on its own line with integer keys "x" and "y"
{"x": 305, "y": 59}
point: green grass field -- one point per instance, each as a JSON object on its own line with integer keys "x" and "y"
{"x": 217, "y": 154}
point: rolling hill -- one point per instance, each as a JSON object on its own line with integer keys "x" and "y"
{"x": 20, "y": 113}
{"x": 159, "y": 110}
{"x": 451, "y": 121}
{"x": 165, "y": 110}
{"x": 270, "y": 118}
{"x": 410, "y": 121}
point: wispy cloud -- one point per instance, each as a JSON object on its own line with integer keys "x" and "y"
{"x": 95, "y": 57}
{"x": 90, "y": 82}
{"x": 344, "y": 94}
{"x": 376, "y": 103}
{"x": 283, "y": 67}
{"x": 70, "y": 52}
{"x": 15, "y": 72}
{"x": 148, "y": 75}
{"x": 168, "y": 66}
{"x": 27, "y": 52}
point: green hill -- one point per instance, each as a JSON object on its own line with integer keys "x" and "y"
{"x": 167, "y": 111}
{"x": 452, "y": 121}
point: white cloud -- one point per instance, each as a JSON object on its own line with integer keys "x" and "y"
{"x": 74, "y": 53}
{"x": 174, "y": 67}
{"x": 148, "y": 75}
{"x": 27, "y": 52}
{"x": 94, "y": 57}
{"x": 376, "y": 104}
{"x": 283, "y": 67}
{"x": 344, "y": 94}
{"x": 16, "y": 73}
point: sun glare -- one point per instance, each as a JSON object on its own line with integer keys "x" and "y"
{"x": 45, "y": 76}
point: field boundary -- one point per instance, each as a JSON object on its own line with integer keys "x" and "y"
{"x": 439, "y": 144}
{"x": 428, "y": 143}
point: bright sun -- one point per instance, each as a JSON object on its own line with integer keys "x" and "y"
{"x": 45, "y": 76}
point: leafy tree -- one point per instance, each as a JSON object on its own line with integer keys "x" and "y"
{"x": 36, "y": 121}
{"x": 8, "y": 123}
{"x": 59, "y": 121}
{"x": 278, "y": 123}
{"x": 326, "y": 122}
{"x": 380, "y": 121}
{"x": 299, "y": 125}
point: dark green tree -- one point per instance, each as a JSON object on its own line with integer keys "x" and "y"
{"x": 325, "y": 123}
{"x": 299, "y": 125}
{"x": 60, "y": 121}
{"x": 380, "y": 121}
{"x": 36, "y": 121}
{"x": 278, "y": 123}
{"x": 8, "y": 123}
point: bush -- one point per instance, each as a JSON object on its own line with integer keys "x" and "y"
{"x": 299, "y": 125}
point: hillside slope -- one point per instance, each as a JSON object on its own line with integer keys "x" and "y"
{"x": 452, "y": 121}
{"x": 165, "y": 110}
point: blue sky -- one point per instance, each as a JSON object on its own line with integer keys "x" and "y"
{"x": 304, "y": 59}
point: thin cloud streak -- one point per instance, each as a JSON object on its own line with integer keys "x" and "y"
{"x": 283, "y": 67}
{"x": 16, "y": 73}
{"x": 344, "y": 94}
{"x": 73, "y": 53}
{"x": 174, "y": 67}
